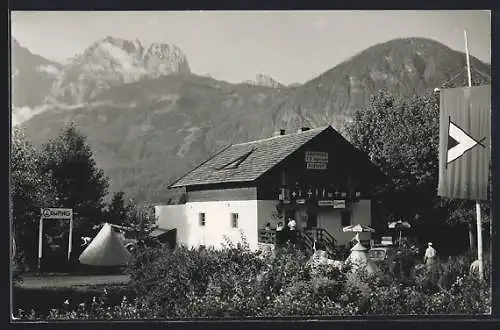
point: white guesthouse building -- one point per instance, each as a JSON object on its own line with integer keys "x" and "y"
{"x": 314, "y": 175}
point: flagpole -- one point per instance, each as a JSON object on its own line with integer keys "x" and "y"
{"x": 468, "y": 60}
{"x": 478, "y": 206}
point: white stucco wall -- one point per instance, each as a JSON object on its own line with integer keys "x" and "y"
{"x": 218, "y": 222}
{"x": 173, "y": 216}
{"x": 252, "y": 215}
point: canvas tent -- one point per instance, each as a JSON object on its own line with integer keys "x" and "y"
{"x": 106, "y": 249}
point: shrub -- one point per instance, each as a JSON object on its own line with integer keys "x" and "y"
{"x": 236, "y": 282}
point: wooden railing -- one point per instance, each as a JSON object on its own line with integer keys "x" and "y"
{"x": 322, "y": 238}
{"x": 307, "y": 239}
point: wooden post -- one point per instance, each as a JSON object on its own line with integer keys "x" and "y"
{"x": 40, "y": 245}
{"x": 70, "y": 245}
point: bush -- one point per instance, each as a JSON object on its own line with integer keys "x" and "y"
{"x": 236, "y": 282}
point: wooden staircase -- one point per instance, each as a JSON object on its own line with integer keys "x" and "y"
{"x": 318, "y": 238}
{"x": 307, "y": 240}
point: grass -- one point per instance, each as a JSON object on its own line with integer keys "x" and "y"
{"x": 42, "y": 300}
{"x": 43, "y": 292}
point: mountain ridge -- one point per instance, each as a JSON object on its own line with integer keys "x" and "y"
{"x": 147, "y": 132}
{"x": 264, "y": 80}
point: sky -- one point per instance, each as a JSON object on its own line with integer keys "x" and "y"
{"x": 290, "y": 46}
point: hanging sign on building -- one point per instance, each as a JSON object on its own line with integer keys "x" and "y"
{"x": 325, "y": 203}
{"x": 339, "y": 204}
{"x": 316, "y": 157}
{"x": 300, "y": 201}
{"x": 316, "y": 160}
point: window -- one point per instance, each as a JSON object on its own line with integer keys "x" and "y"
{"x": 236, "y": 162}
{"x": 234, "y": 220}
{"x": 345, "y": 218}
{"x": 202, "y": 219}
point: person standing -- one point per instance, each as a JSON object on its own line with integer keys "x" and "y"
{"x": 292, "y": 232}
{"x": 430, "y": 255}
{"x": 280, "y": 234}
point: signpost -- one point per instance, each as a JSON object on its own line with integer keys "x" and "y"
{"x": 54, "y": 213}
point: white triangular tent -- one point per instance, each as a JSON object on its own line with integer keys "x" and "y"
{"x": 106, "y": 249}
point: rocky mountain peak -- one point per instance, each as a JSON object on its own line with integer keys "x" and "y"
{"x": 161, "y": 59}
{"x": 263, "y": 80}
{"x": 113, "y": 61}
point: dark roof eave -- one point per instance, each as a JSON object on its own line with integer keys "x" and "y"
{"x": 214, "y": 183}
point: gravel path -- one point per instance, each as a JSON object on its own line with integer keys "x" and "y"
{"x": 64, "y": 281}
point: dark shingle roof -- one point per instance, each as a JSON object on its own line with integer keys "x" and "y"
{"x": 247, "y": 161}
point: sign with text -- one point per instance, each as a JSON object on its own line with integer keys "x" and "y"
{"x": 300, "y": 201}
{"x": 316, "y": 160}
{"x": 316, "y": 157}
{"x": 57, "y": 213}
{"x": 339, "y": 204}
{"x": 316, "y": 166}
{"x": 325, "y": 203}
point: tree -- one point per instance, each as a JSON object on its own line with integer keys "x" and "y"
{"x": 30, "y": 190}
{"x": 141, "y": 218}
{"x": 401, "y": 136}
{"x": 78, "y": 183}
{"x": 117, "y": 211}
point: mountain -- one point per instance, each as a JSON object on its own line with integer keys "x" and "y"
{"x": 263, "y": 80}
{"x": 142, "y": 130}
{"x": 32, "y": 75}
{"x": 39, "y": 84}
{"x": 402, "y": 66}
{"x": 31, "y": 78}
{"x": 147, "y": 132}
{"x": 111, "y": 62}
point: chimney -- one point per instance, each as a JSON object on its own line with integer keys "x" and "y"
{"x": 279, "y": 133}
{"x": 303, "y": 129}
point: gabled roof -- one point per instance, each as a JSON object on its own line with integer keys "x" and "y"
{"x": 245, "y": 162}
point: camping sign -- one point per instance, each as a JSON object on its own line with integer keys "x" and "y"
{"x": 57, "y": 213}
{"x": 54, "y": 213}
